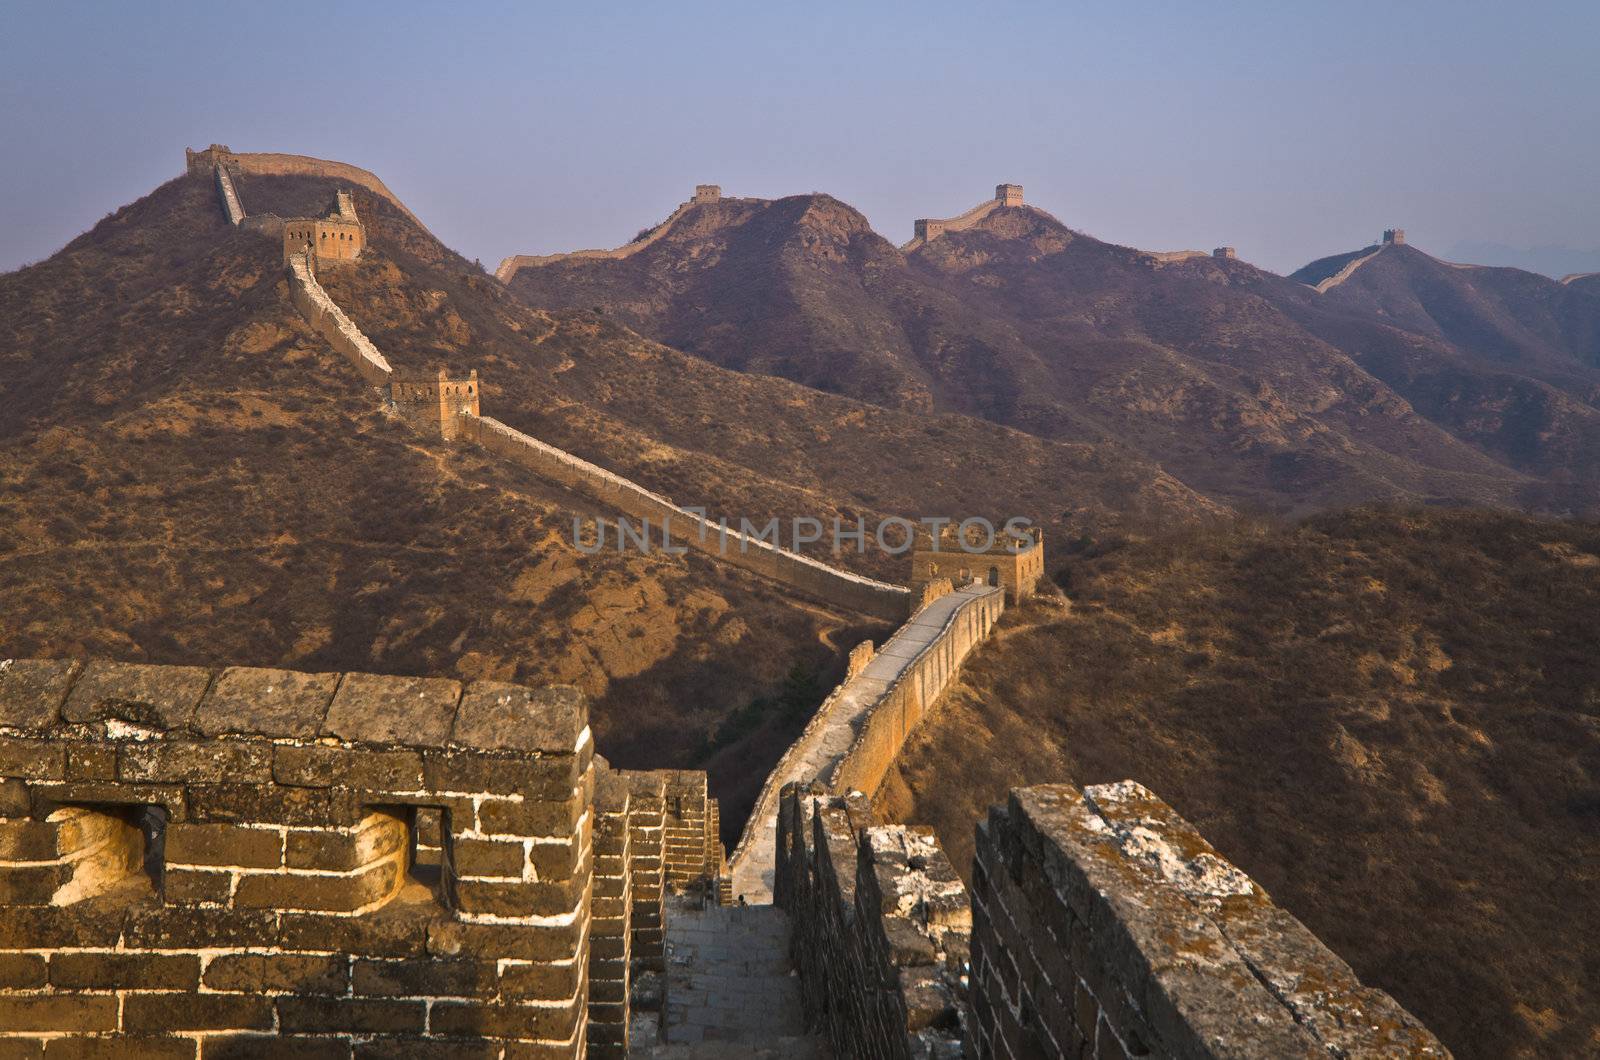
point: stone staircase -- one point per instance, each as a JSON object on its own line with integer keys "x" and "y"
{"x": 731, "y": 990}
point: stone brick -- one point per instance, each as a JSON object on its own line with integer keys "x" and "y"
{"x": 33, "y": 690}
{"x": 266, "y": 703}
{"x": 316, "y": 766}
{"x": 304, "y": 974}
{"x": 341, "y": 894}
{"x": 535, "y": 778}
{"x": 145, "y": 1013}
{"x": 59, "y": 1013}
{"x": 529, "y": 942}
{"x": 394, "y": 931}
{"x": 32, "y": 884}
{"x": 553, "y": 862}
{"x": 416, "y": 711}
{"x": 391, "y": 1049}
{"x": 463, "y": 1018}
{"x": 162, "y": 697}
{"x": 22, "y": 1048}
{"x": 124, "y": 971}
{"x": 21, "y": 971}
{"x": 539, "y": 982}
{"x": 190, "y": 887}
{"x": 532, "y": 817}
{"x": 195, "y": 762}
{"x": 32, "y": 759}
{"x": 502, "y": 717}
{"x": 224, "y": 844}
{"x": 46, "y": 798}
{"x": 426, "y": 978}
{"x": 355, "y": 1015}
{"x": 191, "y": 928}
{"x": 91, "y": 762}
{"x": 14, "y": 798}
{"x": 519, "y": 899}
{"x": 488, "y": 857}
{"x": 121, "y": 1047}
{"x": 269, "y": 804}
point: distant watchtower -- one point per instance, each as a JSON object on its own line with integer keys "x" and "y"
{"x": 1224, "y": 252}
{"x": 707, "y": 192}
{"x": 1008, "y": 194}
{"x": 1394, "y": 236}
{"x": 1016, "y": 565}
{"x": 433, "y": 401}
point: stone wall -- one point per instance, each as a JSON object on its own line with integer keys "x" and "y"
{"x": 906, "y": 702}
{"x": 880, "y": 928}
{"x": 703, "y": 194}
{"x": 230, "y": 198}
{"x": 801, "y": 573}
{"x": 271, "y": 164}
{"x": 222, "y": 862}
{"x": 610, "y": 936}
{"x": 331, "y": 323}
{"x": 690, "y": 851}
{"x": 1105, "y": 925}
{"x": 647, "y": 828}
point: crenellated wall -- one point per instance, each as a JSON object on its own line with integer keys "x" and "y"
{"x": 704, "y": 194}
{"x": 1100, "y": 924}
{"x": 1104, "y": 924}
{"x": 880, "y": 928}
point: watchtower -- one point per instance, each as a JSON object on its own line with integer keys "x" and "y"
{"x": 995, "y": 559}
{"x": 707, "y": 192}
{"x": 1008, "y": 194}
{"x": 1394, "y": 237}
{"x": 339, "y": 236}
{"x": 1224, "y": 252}
{"x": 435, "y": 401}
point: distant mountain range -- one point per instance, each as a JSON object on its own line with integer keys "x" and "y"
{"x": 1552, "y": 261}
{"x": 1407, "y": 379}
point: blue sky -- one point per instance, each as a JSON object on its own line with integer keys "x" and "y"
{"x": 1291, "y": 130}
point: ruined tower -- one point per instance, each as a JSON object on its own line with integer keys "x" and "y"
{"x": 1394, "y": 236}
{"x": 707, "y": 192}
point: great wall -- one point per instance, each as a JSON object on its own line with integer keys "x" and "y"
{"x": 240, "y": 862}
{"x": 703, "y": 194}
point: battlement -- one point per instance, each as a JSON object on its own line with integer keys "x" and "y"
{"x": 976, "y": 556}
{"x": 434, "y": 402}
{"x": 707, "y": 193}
{"x": 1224, "y": 252}
{"x": 1008, "y": 194}
{"x": 1394, "y": 236}
{"x": 1099, "y": 923}
{"x": 926, "y": 229}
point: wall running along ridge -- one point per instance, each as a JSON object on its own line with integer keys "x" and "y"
{"x": 802, "y": 573}
{"x": 331, "y": 323}
{"x": 509, "y": 267}
{"x": 278, "y": 165}
{"x": 869, "y": 716}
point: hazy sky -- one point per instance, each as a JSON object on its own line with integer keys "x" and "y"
{"x": 1291, "y": 130}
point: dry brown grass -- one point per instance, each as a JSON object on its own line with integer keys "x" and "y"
{"x": 1391, "y": 719}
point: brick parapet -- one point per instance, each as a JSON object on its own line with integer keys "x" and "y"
{"x": 880, "y": 927}
{"x": 198, "y": 859}
{"x": 1105, "y": 925}
{"x": 647, "y": 832}
{"x": 329, "y": 321}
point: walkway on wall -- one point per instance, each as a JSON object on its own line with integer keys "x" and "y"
{"x": 731, "y": 989}
{"x": 813, "y": 756}
{"x": 1345, "y": 273}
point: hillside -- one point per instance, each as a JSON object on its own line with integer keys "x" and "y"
{"x": 1245, "y": 386}
{"x": 1388, "y": 718}
{"x": 192, "y": 476}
